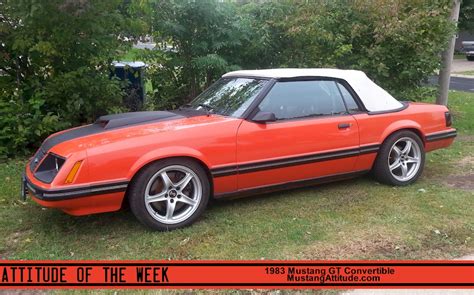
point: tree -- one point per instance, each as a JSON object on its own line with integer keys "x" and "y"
{"x": 447, "y": 58}
{"x": 199, "y": 41}
{"x": 466, "y": 16}
{"x": 397, "y": 43}
{"x": 55, "y": 66}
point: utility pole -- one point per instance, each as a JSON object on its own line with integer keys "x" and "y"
{"x": 447, "y": 59}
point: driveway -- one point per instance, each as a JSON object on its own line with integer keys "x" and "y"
{"x": 456, "y": 83}
{"x": 459, "y": 81}
{"x": 462, "y": 65}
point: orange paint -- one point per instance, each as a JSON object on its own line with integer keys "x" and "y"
{"x": 216, "y": 142}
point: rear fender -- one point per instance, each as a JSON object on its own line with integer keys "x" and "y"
{"x": 401, "y": 125}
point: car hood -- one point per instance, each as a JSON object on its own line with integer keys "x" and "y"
{"x": 113, "y": 128}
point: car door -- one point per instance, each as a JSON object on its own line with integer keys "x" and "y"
{"x": 314, "y": 136}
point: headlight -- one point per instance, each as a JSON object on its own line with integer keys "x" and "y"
{"x": 49, "y": 168}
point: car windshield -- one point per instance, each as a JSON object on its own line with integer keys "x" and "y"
{"x": 228, "y": 96}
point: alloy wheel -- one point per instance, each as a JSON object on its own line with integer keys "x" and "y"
{"x": 173, "y": 194}
{"x": 404, "y": 159}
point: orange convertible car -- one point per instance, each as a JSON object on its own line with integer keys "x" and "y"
{"x": 250, "y": 132}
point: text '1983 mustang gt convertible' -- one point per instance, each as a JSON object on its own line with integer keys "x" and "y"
{"x": 250, "y": 132}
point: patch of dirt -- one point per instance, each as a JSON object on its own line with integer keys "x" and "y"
{"x": 12, "y": 242}
{"x": 465, "y": 138}
{"x": 467, "y": 161}
{"x": 364, "y": 246}
{"x": 465, "y": 182}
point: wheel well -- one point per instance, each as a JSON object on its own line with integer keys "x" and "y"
{"x": 414, "y": 130}
{"x": 201, "y": 163}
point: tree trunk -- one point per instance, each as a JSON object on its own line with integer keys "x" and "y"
{"x": 447, "y": 59}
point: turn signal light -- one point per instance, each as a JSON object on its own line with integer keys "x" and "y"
{"x": 72, "y": 174}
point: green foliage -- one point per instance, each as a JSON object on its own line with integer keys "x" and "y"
{"x": 199, "y": 41}
{"x": 397, "y": 43}
{"x": 466, "y": 15}
{"x": 55, "y": 66}
{"x": 55, "y": 55}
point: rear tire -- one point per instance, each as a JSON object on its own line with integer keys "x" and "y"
{"x": 400, "y": 160}
{"x": 169, "y": 194}
{"x": 470, "y": 58}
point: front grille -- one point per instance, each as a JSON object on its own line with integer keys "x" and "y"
{"x": 37, "y": 159}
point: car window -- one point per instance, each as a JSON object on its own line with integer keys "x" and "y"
{"x": 228, "y": 96}
{"x": 297, "y": 99}
{"x": 348, "y": 98}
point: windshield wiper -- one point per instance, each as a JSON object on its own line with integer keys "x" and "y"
{"x": 208, "y": 108}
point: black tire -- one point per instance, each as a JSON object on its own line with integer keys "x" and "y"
{"x": 138, "y": 187}
{"x": 381, "y": 170}
{"x": 470, "y": 58}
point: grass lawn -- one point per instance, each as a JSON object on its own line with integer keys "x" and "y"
{"x": 356, "y": 219}
{"x": 468, "y": 73}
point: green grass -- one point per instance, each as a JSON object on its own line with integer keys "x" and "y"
{"x": 353, "y": 219}
{"x": 467, "y": 73}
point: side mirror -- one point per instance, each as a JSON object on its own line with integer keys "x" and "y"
{"x": 264, "y": 117}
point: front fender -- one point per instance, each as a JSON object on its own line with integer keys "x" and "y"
{"x": 166, "y": 152}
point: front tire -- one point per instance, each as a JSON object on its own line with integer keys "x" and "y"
{"x": 400, "y": 160}
{"x": 169, "y": 194}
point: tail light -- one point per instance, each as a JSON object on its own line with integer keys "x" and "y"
{"x": 448, "y": 119}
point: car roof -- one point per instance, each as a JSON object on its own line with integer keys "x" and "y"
{"x": 374, "y": 98}
{"x": 294, "y": 73}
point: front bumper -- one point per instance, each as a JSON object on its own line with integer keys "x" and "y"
{"x": 27, "y": 187}
{"x": 79, "y": 200}
{"x": 469, "y": 53}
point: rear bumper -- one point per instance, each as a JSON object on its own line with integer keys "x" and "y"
{"x": 438, "y": 140}
{"x": 78, "y": 200}
{"x": 451, "y": 133}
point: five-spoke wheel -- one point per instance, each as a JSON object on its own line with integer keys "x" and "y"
{"x": 173, "y": 194}
{"x": 169, "y": 194}
{"x": 404, "y": 159}
{"x": 401, "y": 159}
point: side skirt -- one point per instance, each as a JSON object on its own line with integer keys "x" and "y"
{"x": 290, "y": 185}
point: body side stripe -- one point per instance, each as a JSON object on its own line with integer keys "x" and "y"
{"x": 292, "y": 161}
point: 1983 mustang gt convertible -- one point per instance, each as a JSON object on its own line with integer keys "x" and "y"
{"x": 250, "y": 132}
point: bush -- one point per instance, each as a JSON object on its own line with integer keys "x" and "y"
{"x": 397, "y": 43}
{"x": 199, "y": 41}
{"x": 55, "y": 67}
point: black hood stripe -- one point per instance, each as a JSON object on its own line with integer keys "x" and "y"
{"x": 107, "y": 123}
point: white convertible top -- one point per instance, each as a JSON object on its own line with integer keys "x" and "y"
{"x": 374, "y": 98}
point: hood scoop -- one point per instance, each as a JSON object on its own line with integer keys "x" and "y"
{"x": 133, "y": 118}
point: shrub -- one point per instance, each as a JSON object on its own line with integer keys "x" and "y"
{"x": 55, "y": 67}
{"x": 397, "y": 43}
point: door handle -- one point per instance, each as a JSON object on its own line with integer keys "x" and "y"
{"x": 344, "y": 125}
